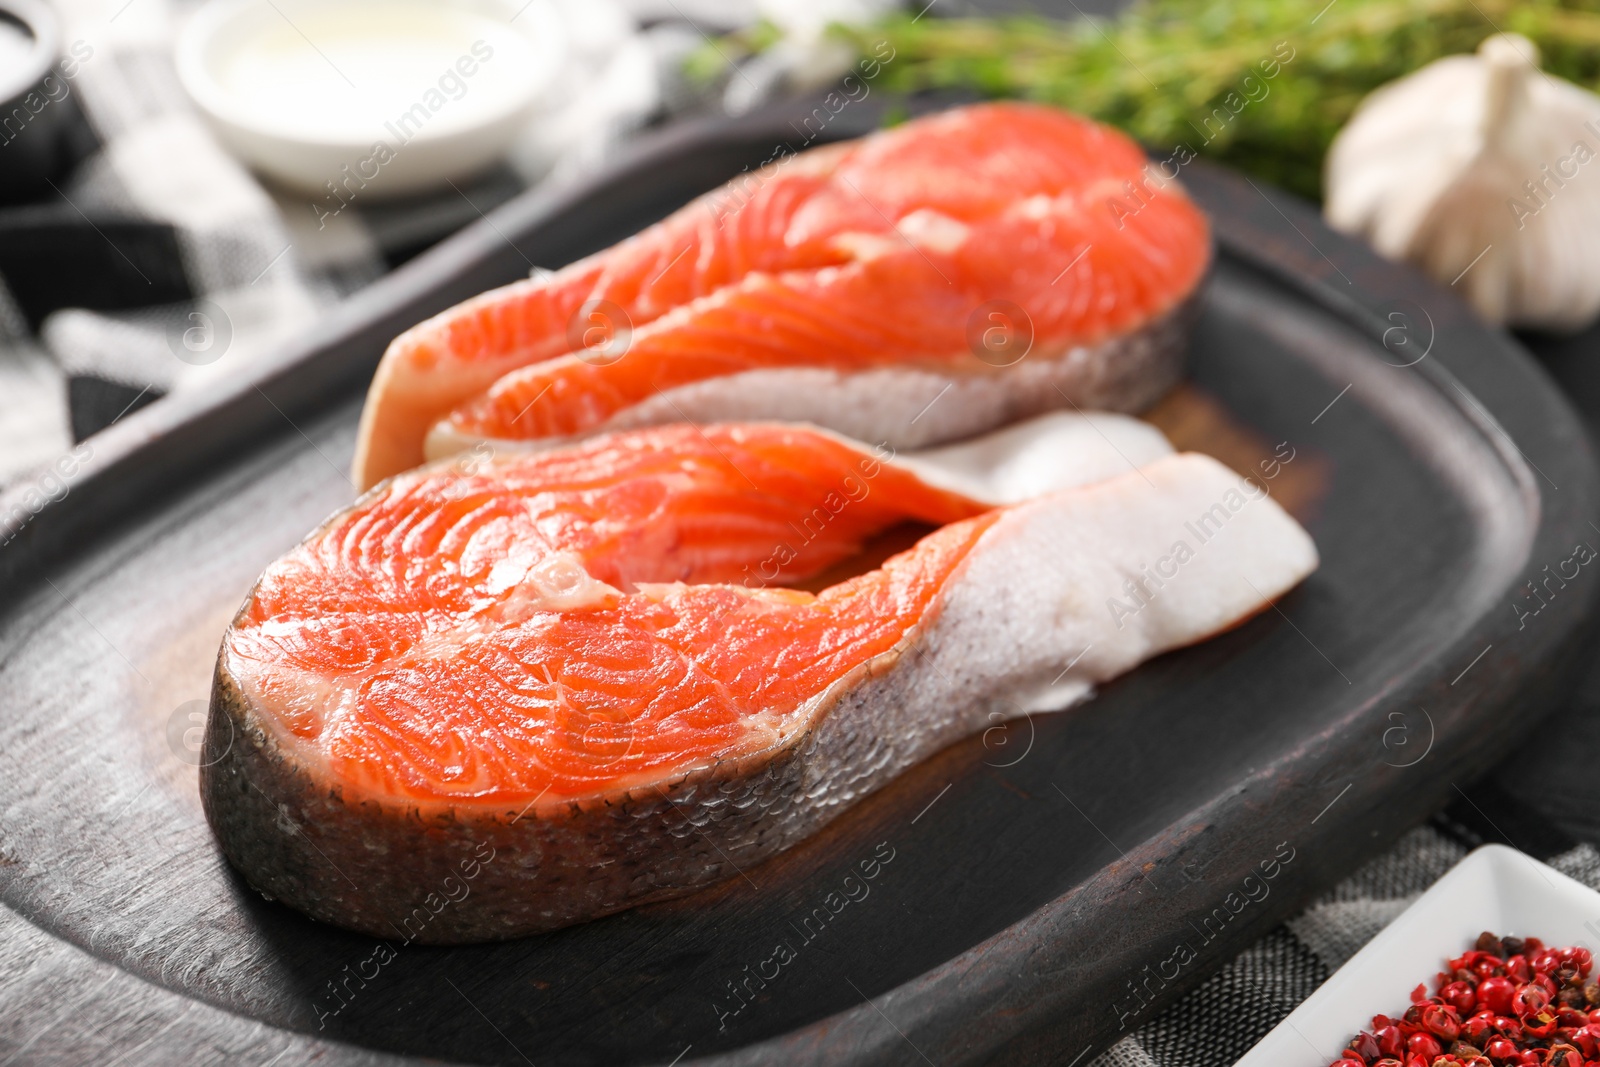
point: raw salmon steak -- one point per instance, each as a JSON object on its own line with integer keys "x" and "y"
{"x": 920, "y": 285}
{"x": 498, "y": 697}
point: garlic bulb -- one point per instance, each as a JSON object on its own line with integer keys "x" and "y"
{"x": 1481, "y": 169}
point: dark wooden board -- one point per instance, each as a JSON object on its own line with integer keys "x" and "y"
{"x": 1039, "y": 875}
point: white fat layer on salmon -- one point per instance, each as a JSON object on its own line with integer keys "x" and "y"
{"x": 559, "y": 582}
{"x": 903, "y": 407}
{"x": 1059, "y": 450}
{"x": 924, "y": 228}
{"x": 1063, "y": 593}
{"x": 1118, "y": 572}
{"x": 933, "y": 230}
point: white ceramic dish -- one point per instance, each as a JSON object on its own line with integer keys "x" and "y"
{"x": 348, "y": 99}
{"x": 1495, "y": 888}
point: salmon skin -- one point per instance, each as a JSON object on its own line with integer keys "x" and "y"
{"x": 585, "y": 678}
{"x": 920, "y": 285}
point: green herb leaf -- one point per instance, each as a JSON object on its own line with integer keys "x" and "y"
{"x": 1263, "y": 85}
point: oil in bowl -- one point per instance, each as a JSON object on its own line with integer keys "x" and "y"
{"x": 368, "y": 97}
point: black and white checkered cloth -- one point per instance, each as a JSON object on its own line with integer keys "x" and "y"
{"x": 1222, "y": 1019}
{"x": 99, "y": 276}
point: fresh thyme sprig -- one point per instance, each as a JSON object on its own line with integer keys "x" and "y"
{"x": 1196, "y": 74}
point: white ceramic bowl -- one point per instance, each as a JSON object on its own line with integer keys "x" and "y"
{"x": 1495, "y": 888}
{"x": 353, "y": 99}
